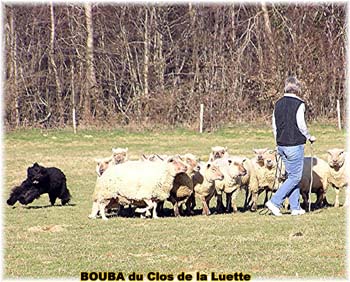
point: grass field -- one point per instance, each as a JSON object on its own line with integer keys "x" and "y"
{"x": 41, "y": 241}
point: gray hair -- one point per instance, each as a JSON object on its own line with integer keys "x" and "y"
{"x": 292, "y": 85}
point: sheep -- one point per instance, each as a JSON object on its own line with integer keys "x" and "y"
{"x": 136, "y": 182}
{"x": 236, "y": 178}
{"x": 204, "y": 185}
{"x": 338, "y": 162}
{"x": 183, "y": 185}
{"x": 320, "y": 175}
{"x": 218, "y": 152}
{"x": 266, "y": 174}
{"x": 120, "y": 155}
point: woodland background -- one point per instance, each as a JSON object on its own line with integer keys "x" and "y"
{"x": 113, "y": 65}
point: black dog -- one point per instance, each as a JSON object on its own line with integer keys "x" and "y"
{"x": 41, "y": 180}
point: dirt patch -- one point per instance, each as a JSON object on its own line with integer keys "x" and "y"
{"x": 48, "y": 228}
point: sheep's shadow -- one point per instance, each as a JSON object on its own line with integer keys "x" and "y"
{"x": 47, "y": 206}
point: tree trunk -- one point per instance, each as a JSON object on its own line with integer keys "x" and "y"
{"x": 14, "y": 71}
{"x": 60, "y": 106}
{"x": 91, "y": 84}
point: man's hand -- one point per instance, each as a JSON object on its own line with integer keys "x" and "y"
{"x": 312, "y": 139}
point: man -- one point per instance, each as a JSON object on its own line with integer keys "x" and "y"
{"x": 291, "y": 134}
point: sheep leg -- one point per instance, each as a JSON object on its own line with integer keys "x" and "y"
{"x": 319, "y": 200}
{"x": 336, "y": 203}
{"x": 102, "y": 206}
{"x": 230, "y": 205}
{"x": 188, "y": 204}
{"x": 206, "y": 210}
{"x": 219, "y": 205}
{"x": 154, "y": 210}
{"x": 254, "y": 201}
{"x": 247, "y": 198}
{"x": 305, "y": 200}
{"x": 94, "y": 210}
{"x": 176, "y": 209}
{"x": 266, "y": 196}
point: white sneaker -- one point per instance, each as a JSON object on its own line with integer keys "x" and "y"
{"x": 275, "y": 210}
{"x": 298, "y": 212}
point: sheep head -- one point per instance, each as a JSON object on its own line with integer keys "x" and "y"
{"x": 336, "y": 158}
{"x": 191, "y": 162}
{"x": 102, "y": 165}
{"x": 212, "y": 172}
{"x": 176, "y": 165}
{"x": 218, "y": 152}
{"x": 120, "y": 155}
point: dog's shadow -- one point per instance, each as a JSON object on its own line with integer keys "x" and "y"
{"x": 47, "y": 206}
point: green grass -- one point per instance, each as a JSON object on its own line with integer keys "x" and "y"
{"x": 55, "y": 242}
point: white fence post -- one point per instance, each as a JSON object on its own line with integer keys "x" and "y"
{"x": 201, "y": 113}
{"x": 338, "y": 111}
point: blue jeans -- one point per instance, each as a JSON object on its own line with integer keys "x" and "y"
{"x": 293, "y": 158}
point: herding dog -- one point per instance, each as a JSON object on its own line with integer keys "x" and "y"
{"x": 41, "y": 180}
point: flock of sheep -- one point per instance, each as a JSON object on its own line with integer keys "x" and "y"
{"x": 146, "y": 183}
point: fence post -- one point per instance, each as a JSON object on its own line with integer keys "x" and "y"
{"x": 338, "y": 111}
{"x": 201, "y": 113}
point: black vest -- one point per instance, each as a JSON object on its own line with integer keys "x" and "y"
{"x": 288, "y": 133}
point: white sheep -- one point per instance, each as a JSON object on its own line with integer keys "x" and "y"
{"x": 239, "y": 180}
{"x": 266, "y": 174}
{"x": 136, "y": 182}
{"x": 232, "y": 169}
{"x": 204, "y": 185}
{"x": 338, "y": 162}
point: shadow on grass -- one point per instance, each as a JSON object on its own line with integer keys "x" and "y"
{"x": 48, "y": 206}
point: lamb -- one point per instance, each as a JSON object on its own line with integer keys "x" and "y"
{"x": 236, "y": 172}
{"x": 204, "y": 185}
{"x": 135, "y": 183}
{"x": 265, "y": 175}
{"x": 320, "y": 175}
{"x": 218, "y": 152}
{"x": 338, "y": 162}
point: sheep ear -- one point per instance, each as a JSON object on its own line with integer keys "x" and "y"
{"x": 126, "y": 149}
{"x": 113, "y": 150}
{"x": 97, "y": 161}
{"x": 225, "y": 149}
{"x": 143, "y": 157}
{"x": 329, "y": 152}
{"x": 159, "y": 157}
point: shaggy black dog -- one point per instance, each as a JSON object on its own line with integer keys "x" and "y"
{"x": 41, "y": 180}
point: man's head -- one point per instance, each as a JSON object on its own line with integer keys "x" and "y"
{"x": 292, "y": 85}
